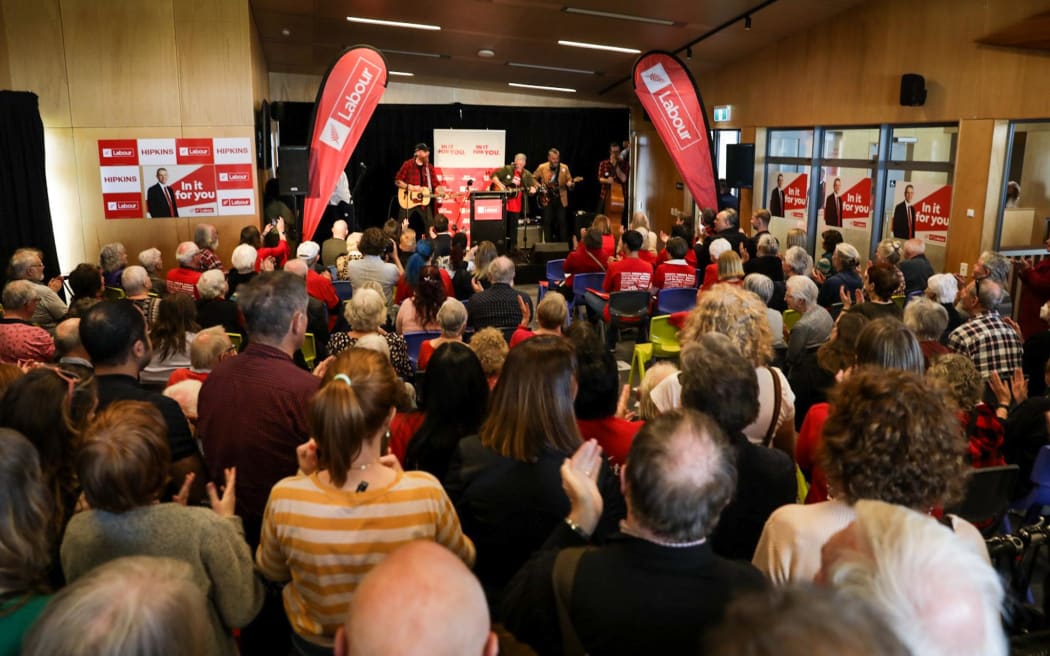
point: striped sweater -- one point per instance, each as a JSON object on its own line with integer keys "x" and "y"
{"x": 324, "y": 540}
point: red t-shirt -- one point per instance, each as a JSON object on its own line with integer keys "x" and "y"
{"x": 608, "y": 249}
{"x": 279, "y": 253}
{"x": 647, "y": 256}
{"x": 183, "y": 281}
{"x": 180, "y": 375}
{"x": 514, "y": 202}
{"x": 613, "y": 434}
{"x": 628, "y": 274}
{"x": 710, "y": 276}
{"x": 669, "y": 274}
{"x": 519, "y": 336}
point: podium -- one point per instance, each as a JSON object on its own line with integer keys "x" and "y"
{"x": 488, "y": 217}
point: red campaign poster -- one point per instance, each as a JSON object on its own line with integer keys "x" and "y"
{"x": 932, "y": 212}
{"x": 194, "y": 151}
{"x": 459, "y": 183}
{"x": 488, "y": 209}
{"x": 856, "y": 203}
{"x": 194, "y": 189}
{"x": 121, "y": 191}
{"x": 118, "y": 152}
{"x": 795, "y": 198}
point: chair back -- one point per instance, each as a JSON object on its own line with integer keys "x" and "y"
{"x": 1041, "y": 468}
{"x": 987, "y": 498}
{"x": 113, "y": 294}
{"x": 309, "y": 350}
{"x": 555, "y": 271}
{"x": 343, "y": 289}
{"x": 628, "y": 307}
{"x": 581, "y": 282}
{"x": 663, "y": 335}
{"x": 334, "y": 271}
{"x": 236, "y": 339}
{"x": 415, "y": 340}
{"x": 791, "y": 317}
{"x": 899, "y": 300}
{"x": 676, "y": 299}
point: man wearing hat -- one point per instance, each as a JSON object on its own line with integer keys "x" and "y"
{"x": 317, "y": 285}
{"x": 417, "y": 175}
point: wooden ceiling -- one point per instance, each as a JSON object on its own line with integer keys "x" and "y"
{"x": 305, "y": 36}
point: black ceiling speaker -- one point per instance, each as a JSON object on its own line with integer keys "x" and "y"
{"x": 913, "y": 90}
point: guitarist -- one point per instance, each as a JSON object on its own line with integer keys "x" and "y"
{"x": 613, "y": 171}
{"x": 418, "y": 174}
{"x": 514, "y": 176}
{"x": 556, "y": 180}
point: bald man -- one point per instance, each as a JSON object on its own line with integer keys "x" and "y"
{"x": 441, "y": 603}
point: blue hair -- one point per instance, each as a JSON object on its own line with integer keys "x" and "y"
{"x": 419, "y": 259}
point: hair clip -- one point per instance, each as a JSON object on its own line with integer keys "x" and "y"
{"x": 344, "y": 378}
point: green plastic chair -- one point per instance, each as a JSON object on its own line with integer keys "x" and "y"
{"x": 113, "y": 294}
{"x": 899, "y": 300}
{"x": 236, "y": 339}
{"x": 310, "y": 350}
{"x": 663, "y": 342}
{"x": 791, "y": 317}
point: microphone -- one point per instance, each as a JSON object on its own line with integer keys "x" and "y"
{"x": 362, "y": 165}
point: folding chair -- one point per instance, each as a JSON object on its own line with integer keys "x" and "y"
{"x": 555, "y": 271}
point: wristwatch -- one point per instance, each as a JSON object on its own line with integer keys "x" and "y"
{"x": 577, "y": 529}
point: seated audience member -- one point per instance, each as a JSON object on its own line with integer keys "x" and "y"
{"x": 888, "y": 437}
{"x": 720, "y": 382}
{"x": 803, "y": 619}
{"x": 1035, "y": 292}
{"x": 114, "y": 335}
{"x": 597, "y": 396}
{"x": 658, "y": 586}
{"x": 372, "y": 266}
{"x": 28, "y": 264}
{"x": 318, "y": 286}
{"x": 762, "y": 286}
{"x": 186, "y": 393}
{"x": 683, "y": 228}
{"x": 730, "y": 310}
{"x": 714, "y": 251}
{"x": 628, "y": 274}
{"x": 814, "y": 325}
{"x": 796, "y": 262}
{"x": 844, "y": 277}
{"x": 654, "y": 375}
{"x": 214, "y": 309}
{"x": 640, "y": 222}
{"x": 348, "y": 504}
{"x": 441, "y": 239}
{"x": 880, "y": 287}
{"x": 206, "y": 237}
{"x": 889, "y": 253}
{"x": 316, "y": 314}
{"x": 932, "y": 585}
{"x": 153, "y": 262}
{"x": 275, "y": 250}
{"x": 123, "y": 468}
{"x": 767, "y": 261}
{"x": 797, "y": 237}
{"x": 353, "y": 252}
{"x": 136, "y": 605}
{"x": 69, "y": 352}
{"x": 85, "y": 281}
{"x": 27, "y": 508}
{"x": 409, "y": 278}
{"x": 210, "y": 347}
{"x": 242, "y": 267}
{"x": 183, "y": 279}
{"x": 420, "y": 312}
{"x": 335, "y": 246}
{"x": 551, "y": 315}
{"x": 483, "y": 258}
{"x": 915, "y": 267}
{"x": 587, "y": 258}
{"x": 814, "y": 376}
{"x": 137, "y": 287}
{"x": 498, "y": 305}
{"x": 730, "y": 268}
{"x": 406, "y": 246}
{"x": 455, "y": 397}
{"x": 261, "y": 443}
{"x": 957, "y": 377}
{"x": 675, "y": 271}
{"x": 19, "y": 338}
{"x": 943, "y": 288}
{"x": 504, "y": 481}
{"x": 171, "y": 337}
{"x": 986, "y": 339}
{"x": 436, "y": 589}
{"x": 829, "y": 239}
{"x": 461, "y": 267}
{"x": 112, "y": 259}
{"x": 927, "y": 319}
{"x": 491, "y": 348}
{"x": 604, "y": 227}
{"x": 366, "y": 313}
{"x": 996, "y": 268}
{"x": 452, "y": 321}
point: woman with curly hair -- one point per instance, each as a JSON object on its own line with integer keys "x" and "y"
{"x": 740, "y": 314}
{"x": 366, "y": 312}
{"x": 958, "y": 377}
{"x": 420, "y": 312}
{"x": 889, "y": 438}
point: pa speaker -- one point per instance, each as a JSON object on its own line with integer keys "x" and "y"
{"x": 293, "y": 163}
{"x": 913, "y": 90}
{"x": 740, "y": 165}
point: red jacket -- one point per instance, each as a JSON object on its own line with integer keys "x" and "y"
{"x": 1035, "y": 291}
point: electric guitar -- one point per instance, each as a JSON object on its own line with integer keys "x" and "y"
{"x": 551, "y": 189}
{"x": 408, "y": 199}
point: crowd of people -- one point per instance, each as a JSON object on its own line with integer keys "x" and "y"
{"x": 217, "y": 459}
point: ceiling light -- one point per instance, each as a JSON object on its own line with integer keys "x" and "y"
{"x": 412, "y": 53}
{"x": 747, "y": 22}
{"x": 619, "y": 16}
{"x": 486, "y": 53}
{"x": 540, "y": 87}
{"x": 286, "y": 32}
{"x": 596, "y": 46}
{"x": 386, "y": 23}
{"x": 401, "y": 73}
{"x": 559, "y": 69}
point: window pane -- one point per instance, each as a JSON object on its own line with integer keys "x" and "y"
{"x": 862, "y": 143}
{"x": 1025, "y": 215}
{"x": 919, "y": 144}
{"x": 791, "y": 143}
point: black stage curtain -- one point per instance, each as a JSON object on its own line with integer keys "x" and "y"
{"x": 582, "y": 135}
{"x": 24, "y": 211}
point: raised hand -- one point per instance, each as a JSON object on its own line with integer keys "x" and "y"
{"x": 224, "y": 506}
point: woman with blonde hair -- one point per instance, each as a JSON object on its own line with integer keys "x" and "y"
{"x": 366, "y": 312}
{"x": 491, "y": 347}
{"x": 324, "y": 529}
{"x": 730, "y": 268}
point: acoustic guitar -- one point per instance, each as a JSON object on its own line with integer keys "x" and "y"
{"x": 551, "y": 189}
{"x": 409, "y": 199}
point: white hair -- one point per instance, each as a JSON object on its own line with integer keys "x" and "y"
{"x": 760, "y": 284}
{"x": 134, "y": 280}
{"x": 943, "y": 287}
{"x": 211, "y": 284}
{"x": 926, "y": 318}
{"x": 717, "y": 247}
{"x": 502, "y": 270}
{"x": 452, "y": 317}
{"x": 185, "y": 253}
{"x": 18, "y": 293}
{"x": 800, "y": 262}
{"x": 366, "y": 310}
{"x": 374, "y": 342}
{"x": 150, "y": 259}
{"x": 803, "y": 289}
{"x": 243, "y": 258}
{"x": 768, "y": 245}
{"x": 848, "y": 254}
{"x": 934, "y": 587}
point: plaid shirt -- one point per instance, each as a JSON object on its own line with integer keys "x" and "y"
{"x": 990, "y": 343}
{"x": 984, "y": 433}
{"x": 209, "y": 260}
{"x": 608, "y": 170}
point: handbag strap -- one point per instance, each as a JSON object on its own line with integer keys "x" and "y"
{"x": 596, "y": 260}
{"x": 776, "y": 407}
{"x": 563, "y": 576}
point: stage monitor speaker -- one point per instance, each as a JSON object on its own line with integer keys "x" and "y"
{"x": 740, "y": 165}
{"x": 913, "y": 90}
{"x": 294, "y": 163}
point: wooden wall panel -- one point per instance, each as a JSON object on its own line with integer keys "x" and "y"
{"x": 5, "y": 66}
{"x": 122, "y": 63}
{"x": 973, "y": 160}
{"x": 35, "y": 56}
{"x": 260, "y": 73}
{"x": 64, "y": 196}
{"x": 214, "y": 61}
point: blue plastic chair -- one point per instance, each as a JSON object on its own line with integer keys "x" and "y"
{"x": 555, "y": 271}
{"x": 1039, "y": 495}
{"x": 343, "y": 289}
{"x": 415, "y": 341}
{"x": 581, "y": 282}
{"x": 675, "y": 299}
{"x": 332, "y": 270}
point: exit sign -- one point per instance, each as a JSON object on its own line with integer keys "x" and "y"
{"x": 723, "y": 113}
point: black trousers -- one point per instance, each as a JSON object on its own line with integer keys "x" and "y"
{"x": 419, "y": 219}
{"x": 554, "y": 225}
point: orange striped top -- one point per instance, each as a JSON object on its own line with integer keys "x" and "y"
{"x": 324, "y": 540}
